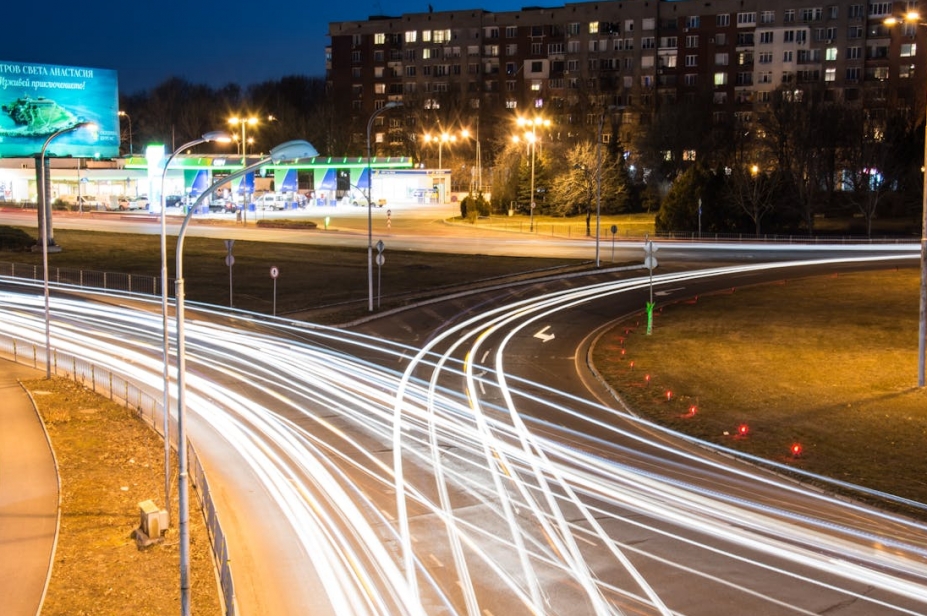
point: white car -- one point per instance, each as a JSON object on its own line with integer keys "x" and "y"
{"x": 271, "y": 201}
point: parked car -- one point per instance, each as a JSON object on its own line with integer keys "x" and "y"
{"x": 358, "y": 198}
{"x": 270, "y": 201}
{"x": 138, "y": 203}
{"x": 85, "y": 202}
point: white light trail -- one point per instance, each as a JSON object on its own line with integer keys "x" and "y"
{"x": 540, "y": 501}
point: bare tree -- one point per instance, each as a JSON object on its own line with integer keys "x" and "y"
{"x": 754, "y": 191}
{"x": 873, "y": 159}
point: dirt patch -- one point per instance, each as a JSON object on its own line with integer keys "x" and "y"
{"x": 109, "y": 461}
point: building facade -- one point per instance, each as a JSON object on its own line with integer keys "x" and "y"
{"x": 629, "y": 58}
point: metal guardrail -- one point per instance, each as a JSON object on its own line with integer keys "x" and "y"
{"x": 148, "y": 406}
{"x": 112, "y": 281}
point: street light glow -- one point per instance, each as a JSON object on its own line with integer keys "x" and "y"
{"x": 444, "y": 137}
{"x": 531, "y": 125}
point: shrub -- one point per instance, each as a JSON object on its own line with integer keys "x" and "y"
{"x": 15, "y": 240}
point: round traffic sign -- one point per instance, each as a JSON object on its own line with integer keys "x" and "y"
{"x": 380, "y": 259}
{"x": 274, "y": 272}
{"x": 229, "y": 260}
{"x": 650, "y": 262}
{"x": 614, "y": 229}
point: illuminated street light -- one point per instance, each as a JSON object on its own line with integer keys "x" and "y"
{"x": 388, "y": 105}
{"x": 244, "y": 122}
{"x": 442, "y": 138}
{"x": 220, "y": 137}
{"x": 289, "y": 151}
{"x": 125, "y": 115}
{"x": 531, "y": 136}
{"x": 45, "y": 224}
{"x": 914, "y": 18}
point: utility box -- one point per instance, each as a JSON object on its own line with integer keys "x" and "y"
{"x": 154, "y": 521}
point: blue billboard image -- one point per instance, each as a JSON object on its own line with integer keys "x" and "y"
{"x": 38, "y": 100}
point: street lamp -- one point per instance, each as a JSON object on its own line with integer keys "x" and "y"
{"x": 442, "y": 138}
{"x": 291, "y": 150}
{"x": 915, "y": 18}
{"x": 531, "y": 126}
{"x": 123, "y": 114}
{"x": 45, "y": 225}
{"x": 243, "y": 122}
{"x": 221, "y": 137}
{"x": 388, "y": 105}
{"x": 598, "y": 183}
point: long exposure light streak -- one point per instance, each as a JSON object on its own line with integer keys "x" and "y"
{"x": 452, "y": 485}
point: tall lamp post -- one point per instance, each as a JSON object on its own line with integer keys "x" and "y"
{"x": 531, "y": 136}
{"x": 291, "y": 150}
{"x": 45, "y": 224}
{"x": 913, "y": 17}
{"x": 123, "y": 114}
{"x": 388, "y": 105}
{"x": 598, "y": 186}
{"x": 243, "y": 122}
{"x": 442, "y": 138}
{"x": 221, "y": 137}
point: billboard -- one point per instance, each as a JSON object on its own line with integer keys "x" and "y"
{"x": 38, "y": 100}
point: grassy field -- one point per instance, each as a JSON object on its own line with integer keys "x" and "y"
{"x": 829, "y": 363}
{"x": 331, "y": 282}
{"x": 108, "y": 462}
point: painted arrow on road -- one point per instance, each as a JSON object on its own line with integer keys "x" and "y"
{"x": 543, "y": 336}
{"x": 668, "y": 291}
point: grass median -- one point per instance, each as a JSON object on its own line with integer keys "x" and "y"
{"x": 328, "y": 282}
{"x": 828, "y": 363}
{"x": 109, "y": 461}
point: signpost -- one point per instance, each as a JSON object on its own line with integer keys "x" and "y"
{"x": 380, "y": 261}
{"x": 650, "y": 262}
{"x": 230, "y": 261}
{"x": 614, "y": 231}
{"x": 274, "y": 272}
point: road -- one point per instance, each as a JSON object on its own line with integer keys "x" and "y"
{"x": 464, "y": 467}
{"x": 425, "y": 228}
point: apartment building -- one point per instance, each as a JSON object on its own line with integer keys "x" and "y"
{"x": 630, "y": 57}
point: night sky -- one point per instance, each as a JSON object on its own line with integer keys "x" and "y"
{"x": 202, "y": 41}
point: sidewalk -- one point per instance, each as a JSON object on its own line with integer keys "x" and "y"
{"x": 28, "y": 496}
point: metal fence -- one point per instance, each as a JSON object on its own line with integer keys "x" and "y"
{"x": 148, "y": 405}
{"x": 634, "y": 230}
{"x": 113, "y": 281}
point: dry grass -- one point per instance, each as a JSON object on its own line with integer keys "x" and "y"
{"x": 827, "y": 362}
{"x": 109, "y": 461}
{"x": 310, "y": 276}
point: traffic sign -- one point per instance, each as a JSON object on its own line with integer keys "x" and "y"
{"x": 229, "y": 260}
{"x": 381, "y": 259}
{"x": 274, "y": 272}
{"x": 650, "y": 262}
